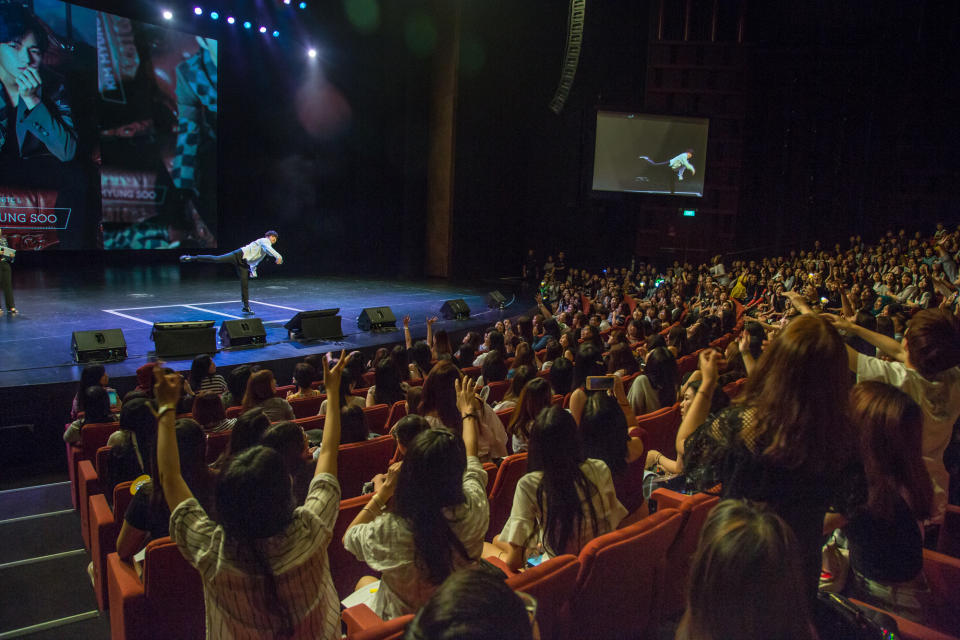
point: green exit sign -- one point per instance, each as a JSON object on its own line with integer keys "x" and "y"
{"x": 689, "y": 213}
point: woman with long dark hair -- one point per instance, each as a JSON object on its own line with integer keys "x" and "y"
{"x": 522, "y": 375}
{"x": 204, "y": 376}
{"x": 438, "y": 405}
{"x": 589, "y": 363}
{"x": 564, "y": 501}
{"x": 885, "y": 541}
{"x": 261, "y": 393}
{"x": 209, "y": 413}
{"x": 658, "y": 385}
{"x": 264, "y": 563}
{"x": 429, "y": 516}
{"x": 92, "y": 375}
{"x": 744, "y": 579}
{"x": 387, "y": 387}
{"x": 96, "y": 405}
{"x": 534, "y": 398}
{"x": 787, "y": 440}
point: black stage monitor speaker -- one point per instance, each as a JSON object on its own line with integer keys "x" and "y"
{"x": 496, "y": 300}
{"x": 455, "y": 310}
{"x": 377, "y": 319}
{"x": 107, "y": 345}
{"x": 321, "y": 324}
{"x": 184, "y": 338}
{"x": 248, "y": 332}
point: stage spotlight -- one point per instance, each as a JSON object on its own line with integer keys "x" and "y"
{"x": 276, "y": 34}
{"x": 263, "y": 29}
{"x": 303, "y": 5}
{"x": 231, "y": 19}
{"x": 198, "y": 11}
{"x": 214, "y": 15}
{"x": 286, "y": 1}
{"x": 312, "y": 53}
{"x": 247, "y": 25}
{"x": 167, "y": 14}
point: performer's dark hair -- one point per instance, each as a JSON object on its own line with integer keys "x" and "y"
{"x": 16, "y": 21}
{"x": 272, "y": 233}
{"x": 690, "y": 151}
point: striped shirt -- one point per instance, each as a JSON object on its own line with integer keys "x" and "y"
{"x": 386, "y": 545}
{"x": 214, "y": 383}
{"x": 233, "y": 594}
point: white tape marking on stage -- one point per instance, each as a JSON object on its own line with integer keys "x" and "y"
{"x": 123, "y": 315}
{"x": 166, "y": 306}
{"x": 218, "y": 313}
{"x": 278, "y": 306}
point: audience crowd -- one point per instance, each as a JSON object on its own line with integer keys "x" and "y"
{"x": 847, "y": 376}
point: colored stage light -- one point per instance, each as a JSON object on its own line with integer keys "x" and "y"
{"x": 263, "y": 29}
{"x": 167, "y": 14}
{"x": 303, "y": 5}
{"x": 312, "y": 53}
{"x": 198, "y": 11}
{"x": 214, "y": 15}
{"x": 247, "y": 25}
{"x": 276, "y": 34}
{"x": 231, "y": 19}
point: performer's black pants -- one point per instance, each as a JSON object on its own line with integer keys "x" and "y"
{"x": 6, "y": 283}
{"x": 234, "y": 258}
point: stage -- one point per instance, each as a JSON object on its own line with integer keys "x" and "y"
{"x": 36, "y": 343}
{"x": 38, "y": 376}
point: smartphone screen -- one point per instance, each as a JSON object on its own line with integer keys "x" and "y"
{"x": 114, "y": 398}
{"x": 600, "y": 383}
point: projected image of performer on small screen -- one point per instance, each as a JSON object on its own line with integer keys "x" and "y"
{"x": 678, "y": 164}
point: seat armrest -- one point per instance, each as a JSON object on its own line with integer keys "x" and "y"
{"x": 500, "y": 564}
{"x": 359, "y": 617}
{"x": 128, "y": 604}
{"x": 667, "y": 499}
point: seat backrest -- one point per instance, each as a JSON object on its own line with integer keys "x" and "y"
{"x": 360, "y": 461}
{"x": 552, "y": 583}
{"x": 397, "y": 411}
{"x": 121, "y": 500}
{"x": 497, "y": 391}
{"x": 306, "y": 407}
{"x": 311, "y": 422}
{"x": 661, "y": 427}
{"x": 619, "y": 575}
{"x": 217, "y": 443}
{"x": 471, "y": 372}
{"x": 173, "y": 591}
{"x": 368, "y": 379}
{"x": 949, "y": 540}
{"x": 234, "y": 412}
{"x": 93, "y": 436}
{"x": 281, "y": 392}
{"x": 344, "y": 567}
{"x": 376, "y": 417}
{"x": 566, "y": 400}
{"x": 101, "y": 462}
{"x": 688, "y": 363}
{"x": 734, "y": 388}
{"x": 557, "y": 400}
{"x": 505, "y": 415}
{"x": 695, "y": 509}
{"x": 501, "y": 491}
{"x": 629, "y": 485}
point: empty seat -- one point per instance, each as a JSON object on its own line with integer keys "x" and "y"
{"x": 661, "y": 429}
{"x": 620, "y": 572}
{"x": 376, "y": 417}
{"x": 92, "y": 437}
{"x": 104, "y": 528}
{"x": 360, "y": 461}
{"x": 166, "y": 603}
{"x": 501, "y": 491}
{"x": 397, "y": 411}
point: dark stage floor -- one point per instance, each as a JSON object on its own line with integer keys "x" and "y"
{"x": 35, "y": 345}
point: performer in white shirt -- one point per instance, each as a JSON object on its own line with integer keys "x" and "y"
{"x": 245, "y": 261}
{"x": 681, "y": 163}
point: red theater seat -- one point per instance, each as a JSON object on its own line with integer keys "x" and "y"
{"x": 552, "y": 584}
{"x": 376, "y": 417}
{"x": 307, "y": 407}
{"x": 104, "y": 529}
{"x": 360, "y": 461}
{"x": 217, "y": 442}
{"x": 344, "y": 567}
{"x": 661, "y": 429}
{"x": 397, "y": 411}
{"x": 497, "y": 391}
{"x": 166, "y": 603}
{"x": 620, "y": 574}
{"x": 501, "y": 491}
{"x": 92, "y": 437}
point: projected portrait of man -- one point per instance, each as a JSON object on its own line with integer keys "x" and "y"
{"x": 194, "y": 166}
{"x": 35, "y": 116}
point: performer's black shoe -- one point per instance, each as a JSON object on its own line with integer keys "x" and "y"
{"x": 186, "y": 258}
{"x": 246, "y": 310}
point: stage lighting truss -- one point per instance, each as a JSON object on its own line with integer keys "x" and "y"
{"x": 571, "y": 58}
{"x": 198, "y": 11}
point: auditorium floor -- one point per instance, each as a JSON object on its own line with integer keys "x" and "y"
{"x": 43, "y": 568}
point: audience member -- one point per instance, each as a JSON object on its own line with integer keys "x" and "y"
{"x": 262, "y": 393}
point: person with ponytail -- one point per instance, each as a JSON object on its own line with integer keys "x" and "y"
{"x": 427, "y": 517}
{"x": 264, "y": 566}
{"x": 564, "y": 501}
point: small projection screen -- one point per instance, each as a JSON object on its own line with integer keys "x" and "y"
{"x": 641, "y": 153}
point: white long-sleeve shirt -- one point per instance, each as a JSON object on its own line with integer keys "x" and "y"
{"x": 256, "y": 251}
{"x": 681, "y": 159}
